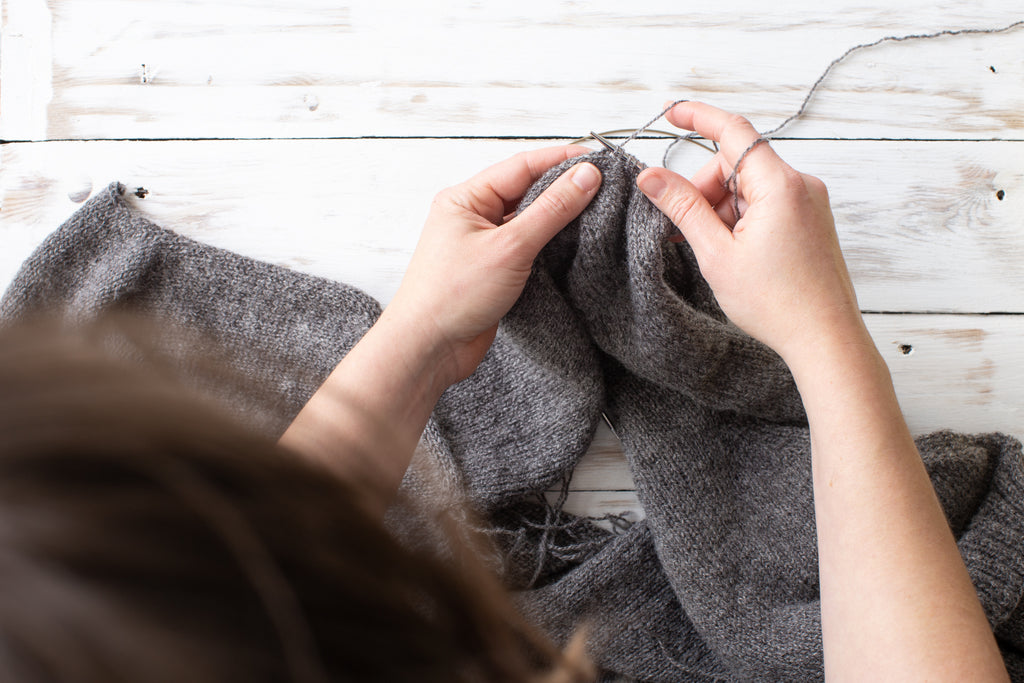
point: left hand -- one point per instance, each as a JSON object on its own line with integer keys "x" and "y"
{"x": 473, "y": 258}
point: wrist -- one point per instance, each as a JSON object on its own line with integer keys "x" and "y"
{"x": 848, "y": 345}
{"x": 368, "y": 415}
{"x": 847, "y": 392}
{"x": 414, "y": 344}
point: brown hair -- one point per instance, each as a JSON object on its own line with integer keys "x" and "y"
{"x": 145, "y": 536}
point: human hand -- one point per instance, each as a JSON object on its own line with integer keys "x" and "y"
{"x": 776, "y": 270}
{"x": 473, "y": 257}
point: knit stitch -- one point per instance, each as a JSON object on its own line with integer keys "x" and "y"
{"x": 720, "y": 581}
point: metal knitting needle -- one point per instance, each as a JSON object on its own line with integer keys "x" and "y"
{"x": 614, "y": 149}
{"x": 603, "y": 141}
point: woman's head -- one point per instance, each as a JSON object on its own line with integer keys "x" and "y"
{"x": 145, "y": 536}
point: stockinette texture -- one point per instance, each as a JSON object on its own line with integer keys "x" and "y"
{"x": 719, "y": 582}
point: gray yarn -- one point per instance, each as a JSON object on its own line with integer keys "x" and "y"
{"x": 732, "y": 183}
{"x": 719, "y": 582}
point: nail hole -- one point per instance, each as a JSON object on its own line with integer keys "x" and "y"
{"x": 905, "y": 349}
{"x": 992, "y": 69}
{"x": 141, "y": 192}
{"x": 1000, "y": 194}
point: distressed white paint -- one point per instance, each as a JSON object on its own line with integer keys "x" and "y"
{"x": 252, "y": 68}
{"x": 25, "y": 69}
{"x": 307, "y": 205}
{"x": 920, "y": 221}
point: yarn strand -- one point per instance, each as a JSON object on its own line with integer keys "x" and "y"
{"x": 886, "y": 39}
{"x": 732, "y": 182}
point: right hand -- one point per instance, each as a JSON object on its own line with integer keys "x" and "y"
{"x": 776, "y": 270}
{"x": 475, "y": 255}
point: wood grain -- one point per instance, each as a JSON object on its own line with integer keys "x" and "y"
{"x": 259, "y": 68}
{"x": 931, "y": 220}
{"x": 921, "y": 223}
{"x": 303, "y": 204}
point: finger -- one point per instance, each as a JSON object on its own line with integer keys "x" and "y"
{"x": 553, "y": 209}
{"x": 725, "y": 211}
{"x": 733, "y": 133}
{"x": 710, "y": 179}
{"x": 727, "y": 208}
{"x": 494, "y": 192}
{"x": 683, "y": 203}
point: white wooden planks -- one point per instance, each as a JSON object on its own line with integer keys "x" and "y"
{"x": 930, "y": 222}
{"x": 304, "y": 204}
{"x": 260, "y": 68}
{"x": 921, "y": 223}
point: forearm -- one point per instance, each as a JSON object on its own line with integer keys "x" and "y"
{"x": 897, "y": 602}
{"x": 467, "y": 271}
{"x": 367, "y": 417}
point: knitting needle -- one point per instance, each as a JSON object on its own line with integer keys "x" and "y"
{"x": 599, "y": 138}
{"x": 616, "y": 150}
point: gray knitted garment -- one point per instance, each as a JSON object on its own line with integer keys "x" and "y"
{"x": 719, "y": 582}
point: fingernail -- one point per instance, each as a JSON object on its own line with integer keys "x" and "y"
{"x": 586, "y": 176}
{"x": 652, "y": 186}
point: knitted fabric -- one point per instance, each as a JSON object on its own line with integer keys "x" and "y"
{"x": 719, "y": 581}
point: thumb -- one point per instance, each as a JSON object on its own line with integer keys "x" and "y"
{"x": 685, "y": 206}
{"x": 561, "y": 202}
